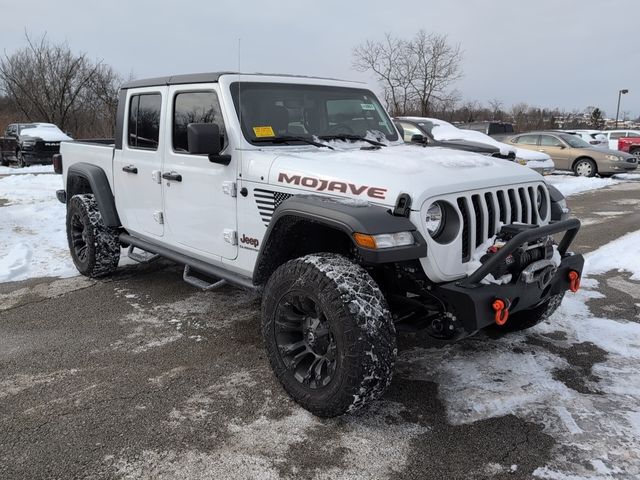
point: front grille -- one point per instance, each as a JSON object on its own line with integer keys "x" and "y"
{"x": 483, "y": 214}
{"x": 47, "y": 146}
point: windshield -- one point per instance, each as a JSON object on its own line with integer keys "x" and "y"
{"x": 573, "y": 141}
{"x": 273, "y": 110}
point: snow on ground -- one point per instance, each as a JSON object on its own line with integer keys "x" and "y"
{"x": 596, "y": 425}
{"x": 608, "y": 257}
{"x": 571, "y": 185}
{"x": 33, "y": 240}
{"x": 30, "y": 169}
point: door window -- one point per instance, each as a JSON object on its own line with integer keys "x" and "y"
{"x": 549, "y": 141}
{"x": 527, "y": 139}
{"x": 144, "y": 121}
{"x": 194, "y": 107}
{"x": 617, "y": 135}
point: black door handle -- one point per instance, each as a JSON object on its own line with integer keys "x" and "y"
{"x": 130, "y": 169}
{"x": 176, "y": 177}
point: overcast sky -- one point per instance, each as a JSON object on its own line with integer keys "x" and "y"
{"x": 551, "y": 53}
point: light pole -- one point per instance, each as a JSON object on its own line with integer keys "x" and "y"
{"x": 620, "y": 93}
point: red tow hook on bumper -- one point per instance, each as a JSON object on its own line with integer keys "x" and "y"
{"x": 501, "y": 307}
{"x": 574, "y": 281}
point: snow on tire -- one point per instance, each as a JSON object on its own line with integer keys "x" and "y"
{"x": 328, "y": 334}
{"x": 94, "y": 247}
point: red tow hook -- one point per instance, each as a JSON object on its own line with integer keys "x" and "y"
{"x": 501, "y": 307}
{"x": 574, "y": 281}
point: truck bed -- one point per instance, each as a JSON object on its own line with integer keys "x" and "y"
{"x": 95, "y": 152}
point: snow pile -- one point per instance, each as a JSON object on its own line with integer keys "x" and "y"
{"x": 571, "y": 185}
{"x": 621, "y": 254}
{"x": 33, "y": 241}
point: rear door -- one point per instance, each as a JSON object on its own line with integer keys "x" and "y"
{"x": 613, "y": 139}
{"x": 199, "y": 196}
{"x": 557, "y": 150}
{"x": 137, "y": 167}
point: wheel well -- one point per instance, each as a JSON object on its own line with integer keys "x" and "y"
{"x": 294, "y": 237}
{"x": 573, "y": 165}
{"x": 77, "y": 185}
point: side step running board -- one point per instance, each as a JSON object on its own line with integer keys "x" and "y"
{"x": 141, "y": 257}
{"x": 198, "y": 282}
{"x": 194, "y": 263}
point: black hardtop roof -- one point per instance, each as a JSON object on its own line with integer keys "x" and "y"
{"x": 210, "y": 77}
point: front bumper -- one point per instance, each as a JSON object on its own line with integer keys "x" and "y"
{"x": 618, "y": 167}
{"x": 471, "y": 302}
{"x": 38, "y": 157}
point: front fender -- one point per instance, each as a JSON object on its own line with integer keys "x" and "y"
{"x": 343, "y": 215}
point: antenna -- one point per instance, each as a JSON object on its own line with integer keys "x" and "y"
{"x": 239, "y": 85}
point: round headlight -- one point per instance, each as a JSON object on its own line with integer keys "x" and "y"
{"x": 435, "y": 219}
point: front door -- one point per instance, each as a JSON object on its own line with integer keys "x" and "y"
{"x": 136, "y": 168}
{"x": 199, "y": 195}
{"x": 557, "y": 150}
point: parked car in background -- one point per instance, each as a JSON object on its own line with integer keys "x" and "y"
{"x": 29, "y": 143}
{"x": 572, "y": 153}
{"x": 614, "y": 135}
{"x": 493, "y": 128}
{"x": 595, "y": 138}
{"x": 630, "y": 145}
{"x": 438, "y": 133}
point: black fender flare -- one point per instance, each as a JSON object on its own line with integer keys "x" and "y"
{"x": 97, "y": 179}
{"x": 344, "y": 215}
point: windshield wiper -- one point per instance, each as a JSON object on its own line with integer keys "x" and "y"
{"x": 344, "y": 136}
{"x": 291, "y": 138}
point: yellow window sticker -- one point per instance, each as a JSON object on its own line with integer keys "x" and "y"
{"x": 263, "y": 132}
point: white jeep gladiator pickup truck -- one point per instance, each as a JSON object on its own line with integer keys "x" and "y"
{"x": 301, "y": 189}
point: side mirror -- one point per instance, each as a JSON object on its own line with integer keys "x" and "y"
{"x": 204, "y": 139}
{"x": 421, "y": 139}
{"x": 562, "y": 147}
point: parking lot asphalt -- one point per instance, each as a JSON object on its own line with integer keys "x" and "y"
{"x": 141, "y": 376}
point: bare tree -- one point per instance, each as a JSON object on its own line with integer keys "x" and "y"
{"x": 384, "y": 59}
{"x": 48, "y": 82}
{"x": 437, "y": 67}
{"x": 415, "y": 74}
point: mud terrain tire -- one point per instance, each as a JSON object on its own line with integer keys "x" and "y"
{"x": 355, "y": 334}
{"x": 95, "y": 248}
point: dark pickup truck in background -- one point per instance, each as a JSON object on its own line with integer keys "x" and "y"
{"x": 29, "y": 143}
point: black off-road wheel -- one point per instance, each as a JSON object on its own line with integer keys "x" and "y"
{"x": 328, "y": 334}
{"x": 95, "y": 248}
{"x": 530, "y": 318}
{"x": 20, "y": 159}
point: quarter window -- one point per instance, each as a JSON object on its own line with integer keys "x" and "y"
{"x": 144, "y": 121}
{"x": 194, "y": 107}
{"x": 410, "y": 130}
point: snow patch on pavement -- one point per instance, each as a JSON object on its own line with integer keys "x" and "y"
{"x": 25, "y": 170}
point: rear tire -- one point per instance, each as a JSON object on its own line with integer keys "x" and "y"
{"x": 530, "y": 318}
{"x": 585, "y": 167}
{"x": 94, "y": 247}
{"x": 328, "y": 334}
